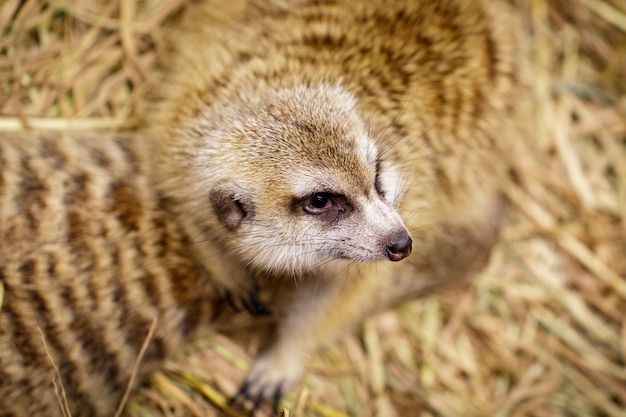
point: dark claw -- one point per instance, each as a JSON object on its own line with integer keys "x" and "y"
{"x": 241, "y": 393}
{"x": 240, "y": 400}
{"x": 256, "y": 404}
{"x": 251, "y": 302}
{"x": 243, "y": 397}
{"x": 278, "y": 394}
{"x": 231, "y": 302}
{"x": 258, "y": 308}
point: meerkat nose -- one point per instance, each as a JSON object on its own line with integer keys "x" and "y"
{"x": 400, "y": 248}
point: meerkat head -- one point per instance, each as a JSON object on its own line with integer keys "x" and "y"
{"x": 290, "y": 179}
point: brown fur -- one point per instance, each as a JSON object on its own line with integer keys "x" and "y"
{"x": 90, "y": 258}
{"x": 265, "y": 102}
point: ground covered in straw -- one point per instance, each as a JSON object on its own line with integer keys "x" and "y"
{"x": 541, "y": 332}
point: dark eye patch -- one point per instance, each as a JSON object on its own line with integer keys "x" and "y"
{"x": 326, "y": 205}
{"x": 378, "y": 182}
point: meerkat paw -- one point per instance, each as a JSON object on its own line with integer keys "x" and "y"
{"x": 271, "y": 375}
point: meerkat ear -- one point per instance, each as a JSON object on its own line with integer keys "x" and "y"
{"x": 230, "y": 207}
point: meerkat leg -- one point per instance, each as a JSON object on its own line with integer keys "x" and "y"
{"x": 318, "y": 314}
{"x": 324, "y": 308}
{"x": 314, "y": 318}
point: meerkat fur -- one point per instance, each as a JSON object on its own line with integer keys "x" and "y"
{"x": 90, "y": 262}
{"x": 306, "y": 140}
{"x": 350, "y": 152}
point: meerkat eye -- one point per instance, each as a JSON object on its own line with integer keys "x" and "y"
{"x": 318, "y": 203}
{"x": 326, "y": 205}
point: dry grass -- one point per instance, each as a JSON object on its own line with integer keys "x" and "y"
{"x": 79, "y": 58}
{"x": 57, "y": 381}
{"x": 540, "y": 333}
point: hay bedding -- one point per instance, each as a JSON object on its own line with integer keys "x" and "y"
{"x": 540, "y": 333}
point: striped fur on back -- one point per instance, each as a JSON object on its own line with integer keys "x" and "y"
{"x": 89, "y": 260}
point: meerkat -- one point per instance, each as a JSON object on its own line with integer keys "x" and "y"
{"x": 90, "y": 262}
{"x": 312, "y": 142}
{"x": 349, "y": 152}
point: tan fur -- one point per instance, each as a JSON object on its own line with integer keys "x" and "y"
{"x": 404, "y": 112}
{"x": 272, "y": 100}
{"x": 89, "y": 257}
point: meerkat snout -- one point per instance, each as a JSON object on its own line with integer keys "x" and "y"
{"x": 401, "y": 246}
